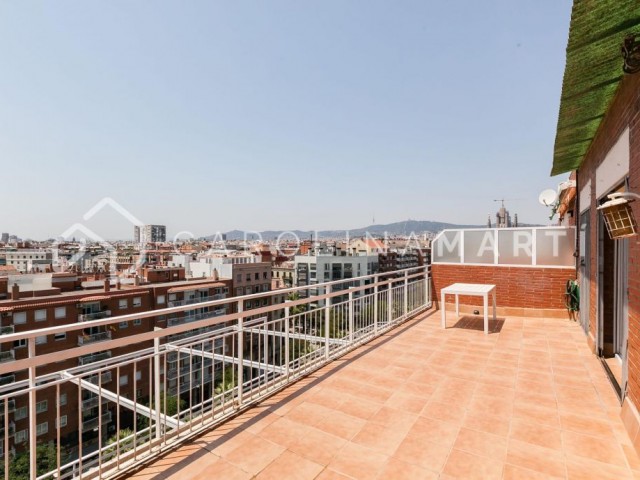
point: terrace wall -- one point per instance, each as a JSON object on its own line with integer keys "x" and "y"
{"x": 516, "y": 287}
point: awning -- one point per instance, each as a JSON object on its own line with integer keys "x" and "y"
{"x": 197, "y": 286}
{"x": 592, "y": 74}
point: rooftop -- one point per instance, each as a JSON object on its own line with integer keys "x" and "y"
{"x": 527, "y": 401}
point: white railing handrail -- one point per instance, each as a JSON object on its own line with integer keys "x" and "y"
{"x": 114, "y": 320}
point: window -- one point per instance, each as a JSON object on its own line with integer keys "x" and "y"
{"x": 257, "y": 276}
{"x": 123, "y": 325}
{"x": 238, "y": 291}
{"x": 172, "y": 297}
{"x": 60, "y": 336}
{"x": 160, "y": 299}
{"x": 138, "y": 392}
{"x": 42, "y": 406}
{"x": 63, "y": 421}
{"x": 264, "y": 275}
{"x": 137, "y": 322}
{"x": 60, "y": 312}
{"x": 19, "y": 318}
{"x": 63, "y": 399}
{"x": 42, "y": 428}
{"x": 123, "y": 303}
{"x": 139, "y": 375}
{"x": 20, "y": 343}
{"x": 40, "y": 315}
{"x": 137, "y": 301}
{"x": 41, "y": 340}
{"x": 22, "y": 436}
{"x": 124, "y": 380}
{"x": 21, "y": 413}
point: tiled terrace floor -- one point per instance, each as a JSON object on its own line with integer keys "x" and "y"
{"x": 529, "y": 401}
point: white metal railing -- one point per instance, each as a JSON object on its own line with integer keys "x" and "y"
{"x": 158, "y": 388}
{"x": 191, "y": 301}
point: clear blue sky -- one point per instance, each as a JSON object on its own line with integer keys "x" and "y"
{"x": 209, "y": 116}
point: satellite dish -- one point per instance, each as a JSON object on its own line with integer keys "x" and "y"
{"x": 548, "y": 197}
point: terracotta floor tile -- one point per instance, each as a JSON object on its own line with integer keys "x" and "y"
{"x": 482, "y": 444}
{"x": 340, "y": 424}
{"x": 358, "y": 462}
{"x": 531, "y": 457}
{"x": 536, "y": 434}
{"x": 448, "y": 412}
{"x": 391, "y": 417}
{"x": 487, "y": 423}
{"x": 579, "y": 468}
{"x": 381, "y": 438}
{"x": 415, "y": 450}
{"x": 318, "y": 446}
{"x": 516, "y": 473}
{"x": 586, "y": 425}
{"x": 464, "y": 465}
{"x": 290, "y": 466}
{"x": 397, "y": 469}
{"x": 254, "y": 455}
{"x": 594, "y": 448}
{"x": 328, "y": 474}
{"x": 359, "y": 408}
{"x": 219, "y": 468}
{"x": 435, "y": 431}
{"x": 407, "y": 402}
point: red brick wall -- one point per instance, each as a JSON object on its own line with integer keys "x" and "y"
{"x": 521, "y": 287}
{"x": 624, "y": 112}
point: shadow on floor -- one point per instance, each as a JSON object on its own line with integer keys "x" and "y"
{"x": 476, "y": 322}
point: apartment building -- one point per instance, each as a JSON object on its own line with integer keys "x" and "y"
{"x": 30, "y": 260}
{"x": 149, "y": 234}
{"x": 39, "y": 305}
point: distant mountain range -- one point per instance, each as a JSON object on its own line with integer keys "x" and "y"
{"x": 399, "y": 228}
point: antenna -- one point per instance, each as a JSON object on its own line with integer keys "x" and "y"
{"x": 501, "y": 200}
{"x": 548, "y": 197}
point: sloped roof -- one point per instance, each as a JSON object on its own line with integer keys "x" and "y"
{"x": 592, "y": 73}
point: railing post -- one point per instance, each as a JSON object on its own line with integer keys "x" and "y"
{"x": 327, "y": 323}
{"x": 427, "y": 286}
{"x": 390, "y": 301}
{"x": 375, "y": 304}
{"x": 156, "y": 380}
{"x": 33, "y": 472}
{"x": 286, "y": 341}
{"x": 240, "y": 373}
{"x": 406, "y": 293}
{"x": 350, "y": 315}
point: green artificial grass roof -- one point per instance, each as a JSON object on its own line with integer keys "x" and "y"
{"x": 592, "y": 74}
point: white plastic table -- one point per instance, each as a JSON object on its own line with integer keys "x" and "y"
{"x": 476, "y": 289}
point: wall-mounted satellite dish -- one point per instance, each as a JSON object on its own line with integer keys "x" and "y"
{"x": 548, "y": 197}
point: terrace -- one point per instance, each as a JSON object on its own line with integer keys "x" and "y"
{"x": 368, "y": 385}
{"x": 527, "y": 401}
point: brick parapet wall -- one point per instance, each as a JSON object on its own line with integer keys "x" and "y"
{"x": 519, "y": 287}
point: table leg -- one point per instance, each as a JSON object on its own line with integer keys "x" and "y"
{"x": 485, "y": 301}
{"x": 443, "y": 307}
{"x": 457, "y": 307}
{"x": 494, "y": 306}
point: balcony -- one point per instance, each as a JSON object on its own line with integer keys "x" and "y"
{"x": 7, "y": 330}
{"x": 93, "y": 402}
{"x": 96, "y": 357}
{"x": 7, "y": 356}
{"x": 93, "y": 423}
{"x": 7, "y": 379}
{"x": 93, "y": 338}
{"x": 191, "y": 301}
{"x": 87, "y": 317}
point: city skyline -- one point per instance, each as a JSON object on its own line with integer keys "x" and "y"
{"x": 209, "y": 117}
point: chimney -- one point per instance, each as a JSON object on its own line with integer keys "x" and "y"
{"x": 136, "y": 280}
{"x": 107, "y": 284}
{"x": 15, "y": 292}
{"x": 215, "y": 274}
{"x": 118, "y": 285}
